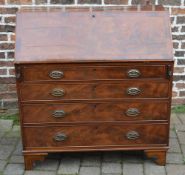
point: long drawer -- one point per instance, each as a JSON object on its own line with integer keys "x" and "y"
{"x": 94, "y": 135}
{"x": 125, "y": 89}
{"x": 61, "y": 72}
{"x": 93, "y": 112}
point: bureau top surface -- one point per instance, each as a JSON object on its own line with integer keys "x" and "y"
{"x": 93, "y": 35}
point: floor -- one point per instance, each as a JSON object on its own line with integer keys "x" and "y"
{"x": 97, "y": 163}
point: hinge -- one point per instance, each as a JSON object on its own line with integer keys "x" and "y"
{"x": 169, "y": 72}
{"x": 18, "y": 75}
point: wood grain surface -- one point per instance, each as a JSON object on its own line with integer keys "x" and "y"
{"x": 72, "y": 80}
{"x": 81, "y": 72}
{"x": 149, "y": 110}
{"x": 110, "y": 35}
{"x": 97, "y": 134}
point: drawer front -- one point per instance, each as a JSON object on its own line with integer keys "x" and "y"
{"x": 87, "y": 112}
{"x": 60, "y": 72}
{"x": 94, "y": 135}
{"x": 126, "y": 89}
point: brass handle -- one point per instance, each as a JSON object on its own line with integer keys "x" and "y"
{"x": 133, "y": 73}
{"x": 133, "y": 91}
{"x": 60, "y": 137}
{"x": 55, "y": 74}
{"x": 59, "y": 114}
{"x": 58, "y": 92}
{"x": 132, "y": 135}
{"x": 132, "y": 112}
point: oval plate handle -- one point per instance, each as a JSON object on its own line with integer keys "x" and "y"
{"x": 132, "y": 112}
{"x": 132, "y": 135}
{"x": 58, "y": 92}
{"x": 56, "y": 74}
{"x": 59, "y": 114}
{"x": 133, "y": 91}
{"x": 60, "y": 137}
{"x": 133, "y": 73}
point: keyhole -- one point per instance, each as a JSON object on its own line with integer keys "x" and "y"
{"x": 93, "y": 16}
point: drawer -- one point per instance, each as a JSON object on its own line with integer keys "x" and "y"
{"x": 94, "y": 112}
{"x": 94, "y": 135}
{"x": 124, "y": 89}
{"x": 60, "y": 72}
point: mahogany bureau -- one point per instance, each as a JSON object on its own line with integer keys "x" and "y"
{"x": 93, "y": 80}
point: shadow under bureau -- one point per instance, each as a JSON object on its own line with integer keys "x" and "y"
{"x": 93, "y": 80}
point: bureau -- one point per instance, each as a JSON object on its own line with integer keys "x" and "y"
{"x": 94, "y": 79}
